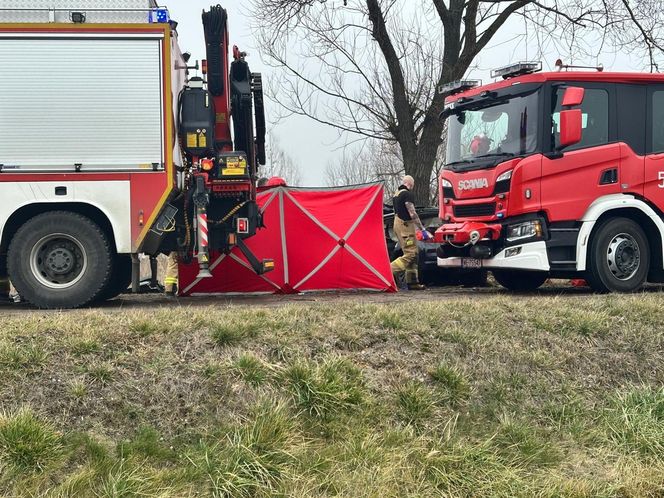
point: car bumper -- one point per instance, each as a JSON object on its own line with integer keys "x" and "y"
{"x": 529, "y": 256}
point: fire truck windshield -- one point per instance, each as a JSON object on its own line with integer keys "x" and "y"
{"x": 482, "y": 132}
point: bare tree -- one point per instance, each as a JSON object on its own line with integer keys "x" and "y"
{"x": 369, "y": 162}
{"x": 371, "y": 67}
{"x": 350, "y": 169}
{"x": 280, "y": 163}
{"x": 377, "y": 161}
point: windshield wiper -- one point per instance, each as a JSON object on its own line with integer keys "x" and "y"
{"x": 454, "y": 166}
{"x": 473, "y": 163}
{"x": 496, "y": 154}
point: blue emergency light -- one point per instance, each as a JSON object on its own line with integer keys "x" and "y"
{"x": 160, "y": 15}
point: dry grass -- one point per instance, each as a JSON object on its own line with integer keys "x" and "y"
{"x": 505, "y": 397}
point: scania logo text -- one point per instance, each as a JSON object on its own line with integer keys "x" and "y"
{"x": 473, "y": 184}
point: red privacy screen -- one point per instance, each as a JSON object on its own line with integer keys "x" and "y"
{"x": 319, "y": 239}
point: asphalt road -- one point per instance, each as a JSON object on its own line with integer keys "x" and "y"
{"x": 128, "y": 302}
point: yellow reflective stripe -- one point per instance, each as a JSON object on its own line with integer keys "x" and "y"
{"x": 170, "y": 280}
{"x": 399, "y": 264}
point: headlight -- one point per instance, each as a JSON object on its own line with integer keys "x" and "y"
{"x": 446, "y": 183}
{"x": 505, "y": 176}
{"x": 524, "y": 230}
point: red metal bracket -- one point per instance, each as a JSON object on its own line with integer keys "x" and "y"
{"x": 461, "y": 233}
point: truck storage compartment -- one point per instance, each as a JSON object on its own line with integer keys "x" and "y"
{"x": 91, "y": 103}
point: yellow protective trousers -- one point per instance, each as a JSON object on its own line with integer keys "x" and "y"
{"x": 405, "y": 232}
{"x": 171, "y": 277}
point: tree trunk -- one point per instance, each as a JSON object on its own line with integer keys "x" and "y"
{"x": 422, "y": 176}
{"x": 420, "y": 162}
{"x": 419, "y": 166}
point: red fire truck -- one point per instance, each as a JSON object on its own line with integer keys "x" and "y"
{"x": 109, "y": 147}
{"x": 555, "y": 174}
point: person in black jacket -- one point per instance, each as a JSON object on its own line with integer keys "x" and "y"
{"x": 406, "y": 222}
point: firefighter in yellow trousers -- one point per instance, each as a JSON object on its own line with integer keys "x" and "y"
{"x": 171, "y": 277}
{"x": 406, "y": 222}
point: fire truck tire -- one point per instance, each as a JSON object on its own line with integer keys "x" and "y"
{"x": 619, "y": 256}
{"x": 59, "y": 260}
{"x": 520, "y": 281}
{"x": 120, "y": 278}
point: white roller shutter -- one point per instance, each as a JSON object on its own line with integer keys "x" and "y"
{"x": 96, "y": 11}
{"x": 89, "y": 101}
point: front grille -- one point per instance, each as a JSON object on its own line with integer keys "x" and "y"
{"x": 470, "y": 210}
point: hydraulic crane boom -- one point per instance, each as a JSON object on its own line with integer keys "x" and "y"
{"x": 222, "y": 166}
{"x": 235, "y": 91}
{"x": 215, "y": 26}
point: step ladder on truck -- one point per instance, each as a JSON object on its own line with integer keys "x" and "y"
{"x": 109, "y": 147}
{"x": 555, "y": 174}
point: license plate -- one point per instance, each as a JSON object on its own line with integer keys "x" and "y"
{"x": 471, "y": 263}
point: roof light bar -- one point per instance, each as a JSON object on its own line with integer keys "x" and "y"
{"x": 459, "y": 86}
{"x": 160, "y": 15}
{"x": 517, "y": 69}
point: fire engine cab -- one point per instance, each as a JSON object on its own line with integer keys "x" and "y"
{"x": 555, "y": 174}
{"x": 113, "y": 143}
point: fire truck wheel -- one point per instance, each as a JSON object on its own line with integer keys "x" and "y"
{"x": 120, "y": 278}
{"x": 520, "y": 281}
{"x": 619, "y": 256}
{"x": 59, "y": 260}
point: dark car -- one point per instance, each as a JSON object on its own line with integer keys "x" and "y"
{"x": 430, "y": 273}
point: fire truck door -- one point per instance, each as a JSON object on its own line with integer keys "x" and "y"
{"x": 654, "y": 162}
{"x": 589, "y": 169}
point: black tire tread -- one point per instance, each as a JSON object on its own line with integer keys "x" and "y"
{"x": 520, "y": 281}
{"x": 119, "y": 280}
{"x": 593, "y": 273}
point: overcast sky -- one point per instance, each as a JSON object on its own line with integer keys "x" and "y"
{"x": 313, "y": 145}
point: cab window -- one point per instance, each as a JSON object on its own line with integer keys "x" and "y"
{"x": 595, "y": 118}
{"x": 658, "y": 122}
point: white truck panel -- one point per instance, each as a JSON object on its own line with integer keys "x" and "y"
{"x": 96, "y": 11}
{"x": 178, "y": 82}
{"x": 110, "y": 197}
{"x": 89, "y": 101}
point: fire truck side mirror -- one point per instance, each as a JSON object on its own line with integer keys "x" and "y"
{"x": 573, "y": 96}
{"x": 571, "y": 120}
{"x": 570, "y": 127}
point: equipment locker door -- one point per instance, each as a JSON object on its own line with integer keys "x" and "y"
{"x": 90, "y": 103}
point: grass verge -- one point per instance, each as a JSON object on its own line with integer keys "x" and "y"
{"x": 536, "y": 396}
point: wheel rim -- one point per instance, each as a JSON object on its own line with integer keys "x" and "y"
{"x": 58, "y": 261}
{"x": 623, "y": 256}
